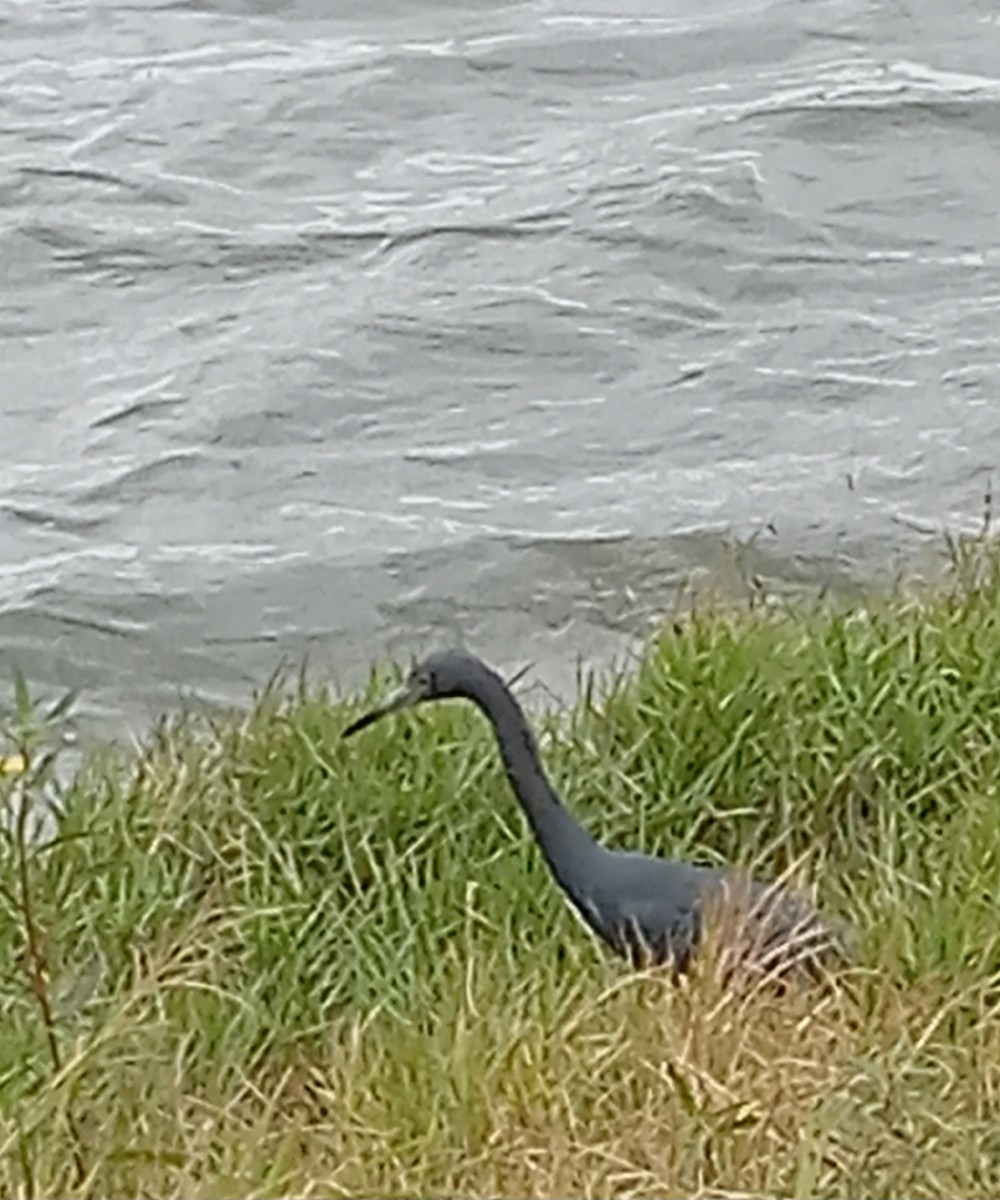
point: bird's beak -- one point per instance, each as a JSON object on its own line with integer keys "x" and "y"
{"x": 403, "y": 697}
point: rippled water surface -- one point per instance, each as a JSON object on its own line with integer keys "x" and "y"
{"x": 337, "y": 336}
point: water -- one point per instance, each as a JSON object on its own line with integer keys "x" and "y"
{"x": 337, "y": 336}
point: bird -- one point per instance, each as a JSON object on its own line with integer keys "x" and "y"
{"x": 649, "y": 910}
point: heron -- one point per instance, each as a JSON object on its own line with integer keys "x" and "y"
{"x": 649, "y": 910}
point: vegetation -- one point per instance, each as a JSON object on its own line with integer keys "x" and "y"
{"x": 253, "y": 960}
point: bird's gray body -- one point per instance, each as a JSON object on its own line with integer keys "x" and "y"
{"x": 648, "y": 909}
{"x": 652, "y": 910}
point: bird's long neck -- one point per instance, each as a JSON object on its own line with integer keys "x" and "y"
{"x": 563, "y": 840}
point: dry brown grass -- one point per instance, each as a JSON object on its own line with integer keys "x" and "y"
{"x": 860, "y": 1087}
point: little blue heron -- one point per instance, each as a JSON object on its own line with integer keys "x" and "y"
{"x": 649, "y": 910}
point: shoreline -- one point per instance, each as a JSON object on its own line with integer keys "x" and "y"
{"x": 600, "y": 602}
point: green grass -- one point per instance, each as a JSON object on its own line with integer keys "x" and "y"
{"x": 259, "y": 961}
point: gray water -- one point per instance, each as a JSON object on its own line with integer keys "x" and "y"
{"x": 338, "y": 336}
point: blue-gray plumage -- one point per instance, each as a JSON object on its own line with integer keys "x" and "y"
{"x": 647, "y": 909}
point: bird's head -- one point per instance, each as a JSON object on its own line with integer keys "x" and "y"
{"x": 440, "y": 675}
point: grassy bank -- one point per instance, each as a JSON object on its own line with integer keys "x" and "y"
{"x": 254, "y": 960}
